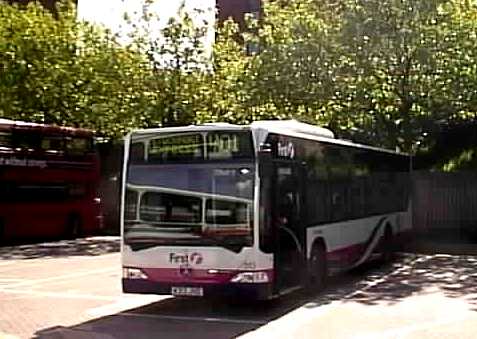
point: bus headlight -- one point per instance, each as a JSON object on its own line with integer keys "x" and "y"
{"x": 133, "y": 273}
{"x": 251, "y": 277}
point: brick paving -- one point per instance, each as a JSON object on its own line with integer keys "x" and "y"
{"x": 71, "y": 289}
{"x": 57, "y": 284}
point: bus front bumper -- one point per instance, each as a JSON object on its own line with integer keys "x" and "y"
{"x": 256, "y": 291}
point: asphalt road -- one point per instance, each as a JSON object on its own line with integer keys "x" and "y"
{"x": 71, "y": 289}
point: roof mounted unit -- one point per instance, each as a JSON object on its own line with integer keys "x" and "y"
{"x": 218, "y": 124}
{"x": 6, "y": 121}
{"x": 283, "y": 126}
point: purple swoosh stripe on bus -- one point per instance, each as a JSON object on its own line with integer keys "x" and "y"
{"x": 171, "y": 275}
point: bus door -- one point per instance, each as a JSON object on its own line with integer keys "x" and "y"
{"x": 289, "y": 232}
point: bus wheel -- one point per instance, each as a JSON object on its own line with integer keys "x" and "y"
{"x": 388, "y": 245}
{"x": 2, "y": 232}
{"x": 317, "y": 269}
{"x": 73, "y": 227}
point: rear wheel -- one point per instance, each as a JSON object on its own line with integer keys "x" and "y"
{"x": 74, "y": 227}
{"x": 317, "y": 269}
{"x": 2, "y": 232}
{"x": 388, "y": 245}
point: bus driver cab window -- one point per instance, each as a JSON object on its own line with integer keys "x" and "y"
{"x": 286, "y": 209}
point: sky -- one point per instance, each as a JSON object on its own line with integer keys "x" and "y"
{"x": 110, "y": 13}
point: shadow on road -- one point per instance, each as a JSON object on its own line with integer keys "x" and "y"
{"x": 455, "y": 276}
{"x": 177, "y": 318}
{"x": 63, "y": 248}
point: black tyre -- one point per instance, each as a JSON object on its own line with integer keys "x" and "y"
{"x": 2, "y": 232}
{"x": 387, "y": 249}
{"x": 74, "y": 227}
{"x": 317, "y": 269}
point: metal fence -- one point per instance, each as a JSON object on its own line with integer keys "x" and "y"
{"x": 443, "y": 201}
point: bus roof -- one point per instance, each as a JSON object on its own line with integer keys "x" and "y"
{"x": 287, "y": 126}
{"x": 6, "y": 124}
{"x": 192, "y": 128}
{"x": 297, "y": 129}
{"x": 262, "y": 128}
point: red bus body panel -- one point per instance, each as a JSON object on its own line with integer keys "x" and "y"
{"x": 42, "y": 189}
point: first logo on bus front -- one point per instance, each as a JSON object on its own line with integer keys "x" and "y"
{"x": 194, "y": 258}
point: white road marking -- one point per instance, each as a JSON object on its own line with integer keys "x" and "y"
{"x": 96, "y": 257}
{"x": 187, "y": 318}
{"x": 9, "y": 281}
{"x": 47, "y": 258}
{"x": 64, "y": 276}
{"x": 16, "y": 263}
{"x": 4, "y": 335}
{"x": 58, "y": 294}
{"x": 125, "y": 303}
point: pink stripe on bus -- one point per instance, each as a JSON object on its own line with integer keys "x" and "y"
{"x": 192, "y": 275}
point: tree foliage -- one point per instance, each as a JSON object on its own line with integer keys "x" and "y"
{"x": 57, "y": 70}
{"x": 390, "y": 73}
{"x": 403, "y": 53}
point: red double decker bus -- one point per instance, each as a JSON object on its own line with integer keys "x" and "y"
{"x": 49, "y": 177}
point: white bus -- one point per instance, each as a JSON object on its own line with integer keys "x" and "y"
{"x": 254, "y": 211}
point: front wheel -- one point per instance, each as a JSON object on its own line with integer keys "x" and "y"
{"x": 317, "y": 269}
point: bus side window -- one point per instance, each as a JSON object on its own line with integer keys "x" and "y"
{"x": 5, "y": 140}
{"x": 78, "y": 146}
{"x": 136, "y": 152}
{"x": 52, "y": 144}
{"x": 339, "y": 182}
{"x": 26, "y": 140}
{"x": 359, "y": 180}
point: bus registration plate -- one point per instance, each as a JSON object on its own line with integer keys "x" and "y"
{"x": 187, "y": 291}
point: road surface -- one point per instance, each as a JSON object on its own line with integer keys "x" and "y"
{"x": 71, "y": 289}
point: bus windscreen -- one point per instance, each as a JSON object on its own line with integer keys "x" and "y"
{"x": 190, "y": 189}
{"x": 190, "y": 147}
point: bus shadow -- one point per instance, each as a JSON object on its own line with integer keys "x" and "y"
{"x": 455, "y": 276}
{"x": 90, "y": 246}
{"x": 178, "y": 318}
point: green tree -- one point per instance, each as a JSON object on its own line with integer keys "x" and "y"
{"x": 295, "y": 70}
{"x": 180, "y": 65}
{"x": 60, "y": 71}
{"x": 402, "y": 51}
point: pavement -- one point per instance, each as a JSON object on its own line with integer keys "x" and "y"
{"x": 60, "y": 283}
{"x": 423, "y": 296}
{"x": 71, "y": 289}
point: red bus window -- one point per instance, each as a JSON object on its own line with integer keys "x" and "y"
{"x": 52, "y": 144}
{"x": 26, "y": 140}
{"x": 77, "y": 191}
{"x": 78, "y": 146}
{"x": 5, "y": 140}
